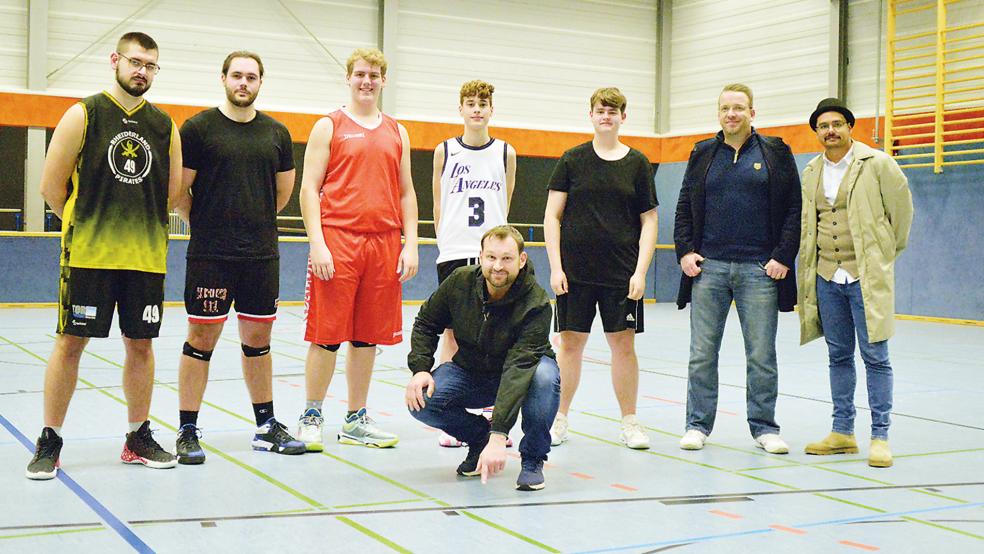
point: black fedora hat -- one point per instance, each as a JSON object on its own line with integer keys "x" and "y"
{"x": 831, "y": 105}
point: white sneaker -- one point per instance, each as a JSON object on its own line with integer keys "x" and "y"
{"x": 309, "y": 430}
{"x": 633, "y": 435}
{"x": 771, "y": 443}
{"x": 447, "y": 441}
{"x": 693, "y": 440}
{"x": 558, "y": 431}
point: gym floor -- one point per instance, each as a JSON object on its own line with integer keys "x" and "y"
{"x": 600, "y": 496}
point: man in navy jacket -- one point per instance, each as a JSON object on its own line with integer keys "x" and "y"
{"x": 737, "y": 235}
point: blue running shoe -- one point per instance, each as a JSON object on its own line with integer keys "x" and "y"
{"x": 272, "y": 436}
{"x": 531, "y": 476}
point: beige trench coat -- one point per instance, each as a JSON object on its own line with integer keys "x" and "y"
{"x": 879, "y": 213}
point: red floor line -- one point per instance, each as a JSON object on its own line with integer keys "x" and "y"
{"x": 382, "y": 413}
{"x": 726, "y": 514}
{"x": 431, "y": 429}
{"x": 624, "y": 487}
{"x": 584, "y": 476}
{"x": 792, "y": 530}
{"x": 667, "y": 400}
{"x": 867, "y": 547}
{"x": 726, "y": 412}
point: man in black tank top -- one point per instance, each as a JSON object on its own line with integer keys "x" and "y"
{"x": 123, "y": 156}
{"x": 239, "y": 164}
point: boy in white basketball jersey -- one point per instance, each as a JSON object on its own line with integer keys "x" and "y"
{"x": 474, "y": 176}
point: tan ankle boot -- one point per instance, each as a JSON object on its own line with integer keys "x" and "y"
{"x": 834, "y": 443}
{"x": 879, "y": 455}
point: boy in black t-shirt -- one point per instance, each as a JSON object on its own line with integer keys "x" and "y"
{"x": 240, "y": 165}
{"x": 600, "y": 228}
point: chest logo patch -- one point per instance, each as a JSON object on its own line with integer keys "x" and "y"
{"x": 130, "y": 157}
{"x": 757, "y": 166}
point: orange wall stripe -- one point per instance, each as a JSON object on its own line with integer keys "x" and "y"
{"x": 36, "y": 110}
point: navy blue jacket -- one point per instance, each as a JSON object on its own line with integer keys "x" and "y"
{"x": 784, "y": 210}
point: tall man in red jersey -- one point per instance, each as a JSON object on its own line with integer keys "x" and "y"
{"x": 356, "y": 195}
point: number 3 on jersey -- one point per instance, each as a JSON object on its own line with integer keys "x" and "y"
{"x": 151, "y": 314}
{"x": 477, "y": 217}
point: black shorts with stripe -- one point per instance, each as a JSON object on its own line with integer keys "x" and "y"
{"x": 575, "y": 311}
{"x": 445, "y": 269}
{"x": 213, "y": 286}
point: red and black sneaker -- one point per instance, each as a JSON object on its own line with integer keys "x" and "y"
{"x": 141, "y": 448}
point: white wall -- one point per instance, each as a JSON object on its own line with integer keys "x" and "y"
{"x": 779, "y": 49}
{"x": 13, "y": 44}
{"x": 195, "y": 37}
{"x": 544, "y": 58}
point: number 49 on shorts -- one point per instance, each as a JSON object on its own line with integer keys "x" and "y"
{"x": 151, "y": 313}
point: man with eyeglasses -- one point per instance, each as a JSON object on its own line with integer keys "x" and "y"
{"x": 857, "y": 211}
{"x": 123, "y": 156}
{"x": 736, "y": 234}
{"x": 239, "y": 164}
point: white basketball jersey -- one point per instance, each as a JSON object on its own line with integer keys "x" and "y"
{"x": 473, "y": 196}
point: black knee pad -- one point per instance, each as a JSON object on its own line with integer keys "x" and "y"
{"x": 253, "y": 352}
{"x": 192, "y": 352}
{"x": 360, "y": 344}
{"x": 330, "y": 347}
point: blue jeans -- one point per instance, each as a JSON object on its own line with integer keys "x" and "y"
{"x": 842, "y": 315}
{"x": 457, "y": 390}
{"x": 756, "y": 297}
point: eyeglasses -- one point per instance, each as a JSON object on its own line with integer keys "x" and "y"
{"x": 137, "y": 64}
{"x": 836, "y": 125}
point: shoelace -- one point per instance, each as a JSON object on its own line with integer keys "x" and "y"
{"x": 280, "y": 432}
{"x": 189, "y": 433}
{"x": 147, "y": 440}
{"x": 46, "y": 448}
{"x": 312, "y": 420}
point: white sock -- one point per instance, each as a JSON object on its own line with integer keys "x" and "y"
{"x": 135, "y": 426}
{"x": 57, "y": 430}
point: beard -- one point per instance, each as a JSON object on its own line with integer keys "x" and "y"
{"x": 133, "y": 87}
{"x": 240, "y": 102}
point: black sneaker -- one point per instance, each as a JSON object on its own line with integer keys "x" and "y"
{"x": 141, "y": 448}
{"x": 469, "y": 467}
{"x": 188, "y": 450}
{"x": 44, "y": 465}
{"x": 531, "y": 476}
{"x": 272, "y": 436}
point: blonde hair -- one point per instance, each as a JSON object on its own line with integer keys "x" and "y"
{"x": 371, "y": 56}
{"x": 610, "y": 97}
{"x": 477, "y": 88}
{"x": 738, "y": 87}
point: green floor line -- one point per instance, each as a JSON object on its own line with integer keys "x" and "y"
{"x": 850, "y": 503}
{"x": 372, "y": 534}
{"x": 288, "y": 512}
{"x": 842, "y": 460}
{"x": 50, "y": 533}
{"x": 372, "y": 504}
{"x": 379, "y": 476}
{"x": 944, "y": 527}
{"x": 510, "y": 532}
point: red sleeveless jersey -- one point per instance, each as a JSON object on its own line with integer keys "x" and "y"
{"x": 361, "y": 190}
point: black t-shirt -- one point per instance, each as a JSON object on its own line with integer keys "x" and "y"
{"x": 234, "y": 196}
{"x": 600, "y": 227}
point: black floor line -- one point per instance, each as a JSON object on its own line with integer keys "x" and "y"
{"x": 446, "y": 509}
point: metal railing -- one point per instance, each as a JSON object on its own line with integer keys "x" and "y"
{"x": 942, "y": 112}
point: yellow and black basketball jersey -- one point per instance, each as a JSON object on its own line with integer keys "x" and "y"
{"x": 116, "y": 213}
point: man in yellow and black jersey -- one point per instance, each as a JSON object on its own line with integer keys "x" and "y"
{"x": 123, "y": 157}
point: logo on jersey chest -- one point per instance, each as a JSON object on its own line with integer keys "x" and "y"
{"x": 461, "y": 183}
{"x": 130, "y": 157}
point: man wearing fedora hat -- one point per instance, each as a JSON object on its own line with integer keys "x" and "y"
{"x": 857, "y": 211}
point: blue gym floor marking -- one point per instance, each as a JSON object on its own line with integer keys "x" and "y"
{"x": 707, "y": 538}
{"x": 114, "y": 522}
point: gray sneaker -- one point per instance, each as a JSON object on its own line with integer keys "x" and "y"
{"x": 360, "y": 429}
